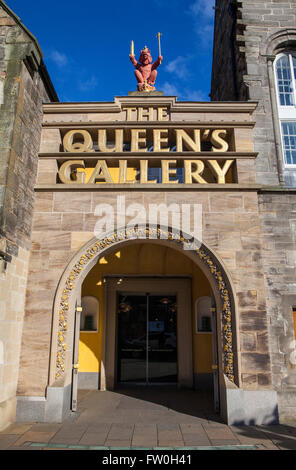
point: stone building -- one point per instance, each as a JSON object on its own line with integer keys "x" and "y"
{"x": 24, "y": 86}
{"x": 256, "y": 50}
{"x": 145, "y": 302}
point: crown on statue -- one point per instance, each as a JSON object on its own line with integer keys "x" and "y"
{"x": 145, "y": 50}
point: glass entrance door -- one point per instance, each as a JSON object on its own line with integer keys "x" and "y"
{"x": 147, "y": 338}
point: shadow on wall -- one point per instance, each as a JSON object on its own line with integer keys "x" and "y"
{"x": 270, "y": 419}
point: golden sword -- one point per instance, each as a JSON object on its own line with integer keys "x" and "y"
{"x": 158, "y": 36}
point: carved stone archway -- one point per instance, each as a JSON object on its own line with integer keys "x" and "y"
{"x": 85, "y": 259}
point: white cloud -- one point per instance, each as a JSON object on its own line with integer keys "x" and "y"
{"x": 203, "y": 8}
{"x": 89, "y": 84}
{"x": 179, "y": 67}
{"x": 169, "y": 89}
{"x": 59, "y": 58}
{"x": 186, "y": 94}
{"x": 195, "y": 95}
{"x": 203, "y": 14}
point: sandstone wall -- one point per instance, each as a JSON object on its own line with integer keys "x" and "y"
{"x": 64, "y": 221}
{"x": 22, "y": 91}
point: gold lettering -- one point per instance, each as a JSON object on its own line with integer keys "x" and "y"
{"x": 162, "y": 113}
{"x": 67, "y": 170}
{"x": 220, "y": 172}
{"x": 102, "y": 141}
{"x": 85, "y": 146}
{"x": 194, "y": 174}
{"x": 142, "y": 112}
{"x": 129, "y": 113}
{"x": 122, "y": 172}
{"x": 167, "y": 171}
{"x": 190, "y": 144}
{"x": 75, "y": 172}
{"x": 136, "y": 140}
{"x": 100, "y": 172}
{"x": 217, "y": 139}
{"x": 144, "y": 173}
{"x": 158, "y": 140}
{"x": 205, "y": 134}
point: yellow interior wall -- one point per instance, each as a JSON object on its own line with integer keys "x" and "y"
{"x": 144, "y": 258}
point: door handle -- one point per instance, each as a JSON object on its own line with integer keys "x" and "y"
{"x": 75, "y": 366}
{"x": 214, "y": 367}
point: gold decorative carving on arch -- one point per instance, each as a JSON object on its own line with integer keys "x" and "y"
{"x": 145, "y": 233}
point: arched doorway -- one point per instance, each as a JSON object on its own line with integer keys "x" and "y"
{"x": 96, "y": 253}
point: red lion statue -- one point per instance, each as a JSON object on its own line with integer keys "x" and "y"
{"x": 145, "y": 71}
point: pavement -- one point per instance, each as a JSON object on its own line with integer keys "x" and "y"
{"x": 146, "y": 419}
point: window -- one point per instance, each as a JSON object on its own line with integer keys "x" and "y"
{"x": 203, "y": 315}
{"x": 285, "y": 74}
{"x": 90, "y": 314}
{"x": 289, "y": 142}
{"x": 294, "y": 318}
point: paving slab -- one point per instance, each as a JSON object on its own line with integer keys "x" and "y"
{"x": 8, "y": 440}
{"x": 285, "y": 444}
{"x": 117, "y": 443}
{"x": 31, "y": 436}
{"x": 121, "y": 432}
{"x": 169, "y": 433}
{"x": 69, "y": 434}
{"x": 99, "y": 428}
{"x": 144, "y": 435}
{"x": 93, "y": 439}
{"x": 46, "y": 427}
{"x": 139, "y": 442}
{"x": 217, "y": 433}
{"x": 224, "y": 442}
{"x": 141, "y": 419}
{"x": 196, "y": 441}
{"x": 17, "y": 428}
{"x": 192, "y": 428}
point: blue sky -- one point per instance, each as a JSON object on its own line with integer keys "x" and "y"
{"x": 86, "y": 45}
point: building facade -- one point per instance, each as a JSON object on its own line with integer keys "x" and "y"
{"x": 24, "y": 85}
{"x": 98, "y": 201}
{"x": 261, "y": 66}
